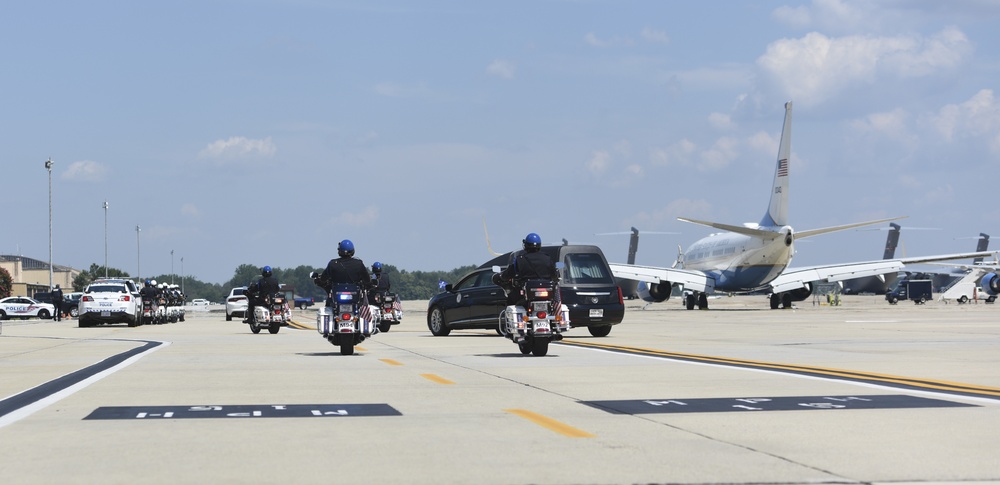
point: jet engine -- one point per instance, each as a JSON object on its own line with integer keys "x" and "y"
{"x": 655, "y": 292}
{"x": 990, "y": 283}
{"x": 801, "y": 293}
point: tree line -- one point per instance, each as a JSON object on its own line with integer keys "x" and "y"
{"x": 409, "y": 285}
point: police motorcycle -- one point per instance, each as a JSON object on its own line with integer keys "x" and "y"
{"x": 389, "y": 310}
{"x": 148, "y": 315}
{"x": 347, "y": 319}
{"x": 270, "y": 315}
{"x": 543, "y": 319}
{"x": 161, "y": 304}
{"x": 176, "y": 301}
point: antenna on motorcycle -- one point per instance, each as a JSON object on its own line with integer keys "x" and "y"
{"x": 488, "y": 247}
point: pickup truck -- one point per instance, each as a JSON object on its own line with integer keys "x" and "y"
{"x": 303, "y": 302}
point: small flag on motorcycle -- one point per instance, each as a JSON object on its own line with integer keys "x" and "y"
{"x": 365, "y": 312}
{"x": 441, "y": 284}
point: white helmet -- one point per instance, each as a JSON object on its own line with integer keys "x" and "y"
{"x": 153, "y": 282}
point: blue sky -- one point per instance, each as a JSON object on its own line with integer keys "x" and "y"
{"x": 263, "y": 132}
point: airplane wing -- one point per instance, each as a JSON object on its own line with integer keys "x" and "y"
{"x": 794, "y": 278}
{"x": 694, "y": 280}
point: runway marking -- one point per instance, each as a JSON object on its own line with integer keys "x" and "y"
{"x": 551, "y": 424}
{"x": 360, "y": 349}
{"x": 777, "y": 403}
{"x": 23, "y": 404}
{"x": 391, "y": 362}
{"x": 300, "y": 326}
{"x": 436, "y": 378}
{"x": 902, "y": 382}
{"x": 242, "y": 411}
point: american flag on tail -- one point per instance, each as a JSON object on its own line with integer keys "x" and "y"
{"x": 396, "y": 306}
{"x": 557, "y": 300}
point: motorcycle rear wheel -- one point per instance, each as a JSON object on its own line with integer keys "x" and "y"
{"x": 525, "y": 347}
{"x": 254, "y": 328}
{"x": 346, "y": 348}
{"x": 540, "y": 347}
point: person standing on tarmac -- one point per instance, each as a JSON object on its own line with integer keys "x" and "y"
{"x": 528, "y": 265}
{"x": 57, "y": 302}
{"x": 265, "y": 286}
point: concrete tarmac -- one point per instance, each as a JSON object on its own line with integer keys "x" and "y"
{"x": 864, "y": 392}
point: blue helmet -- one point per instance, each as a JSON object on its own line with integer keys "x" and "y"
{"x": 532, "y": 242}
{"x": 265, "y": 271}
{"x": 345, "y": 249}
{"x": 377, "y": 267}
{"x": 147, "y": 282}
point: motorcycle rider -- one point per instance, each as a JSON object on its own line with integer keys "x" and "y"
{"x": 259, "y": 291}
{"x": 530, "y": 264}
{"x": 380, "y": 284}
{"x": 148, "y": 294}
{"x": 344, "y": 270}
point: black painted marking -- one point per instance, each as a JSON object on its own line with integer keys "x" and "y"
{"x": 18, "y": 401}
{"x": 243, "y": 411}
{"x": 754, "y": 404}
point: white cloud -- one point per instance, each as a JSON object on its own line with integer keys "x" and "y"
{"x": 721, "y": 121}
{"x": 85, "y": 170}
{"x": 977, "y": 117}
{"x": 190, "y": 209}
{"x": 366, "y": 217}
{"x": 599, "y": 162}
{"x": 655, "y": 36}
{"x": 595, "y": 41}
{"x": 722, "y": 153}
{"x": 831, "y": 15}
{"x": 501, "y": 68}
{"x": 815, "y": 68}
{"x": 239, "y": 147}
{"x": 677, "y": 154}
{"x": 891, "y": 124}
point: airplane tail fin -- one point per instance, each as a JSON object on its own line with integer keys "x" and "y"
{"x": 777, "y": 210}
{"x": 891, "y": 241}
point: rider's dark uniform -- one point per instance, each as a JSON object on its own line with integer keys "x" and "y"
{"x": 527, "y": 266}
{"x": 344, "y": 270}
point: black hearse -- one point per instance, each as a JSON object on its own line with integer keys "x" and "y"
{"x": 587, "y": 286}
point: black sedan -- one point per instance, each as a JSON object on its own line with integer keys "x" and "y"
{"x": 586, "y": 286}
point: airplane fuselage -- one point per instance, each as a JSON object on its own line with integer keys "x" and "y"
{"x": 739, "y": 262}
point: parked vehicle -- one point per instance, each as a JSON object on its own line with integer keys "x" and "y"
{"x": 24, "y": 307}
{"x": 347, "y": 320}
{"x": 920, "y": 291}
{"x": 71, "y": 303}
{"x": 586, "y": 286}
{"x": 302, "y": 302}
{"x": 199, "y": 302}
{"x": 541, "y": 320}
{"x": 236, "y": 303}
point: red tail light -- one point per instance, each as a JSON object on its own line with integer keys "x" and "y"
{"x": 125, "y": 298}
{"x": 621, "y": 299}
{"x": 346, "y": 316}
{"x": 542, "y": 315}
{"x": 87, "y": 298}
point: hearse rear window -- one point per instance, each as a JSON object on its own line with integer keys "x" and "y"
{"x": 585, "y": 268}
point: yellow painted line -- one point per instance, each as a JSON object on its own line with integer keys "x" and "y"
{"x": 300, "y": 326}
{"x": 436, "y": 378}
{"x": 391, "y": 362}
{"x": 862, "y": 376}
{"x": 551, "y": 424}
{"x": 360, "y": 349}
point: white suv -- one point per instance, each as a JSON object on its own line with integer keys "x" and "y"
{"x": 236, "y": 303}
{"x": 110, "y": 301}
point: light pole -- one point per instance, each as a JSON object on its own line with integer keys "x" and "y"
{"x": 138, "y": 258}
{"x": 105, "y": 238}
{"x": 182, "y": 275}
{"x": 48, "y": 166}
{"x": 171, "y": 266}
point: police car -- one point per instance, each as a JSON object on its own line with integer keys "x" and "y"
{"x": 23, "y": 307}
{"x": 109, "y": 301}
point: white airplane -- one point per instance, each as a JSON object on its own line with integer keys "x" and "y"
{"x": 755, "y": 256}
